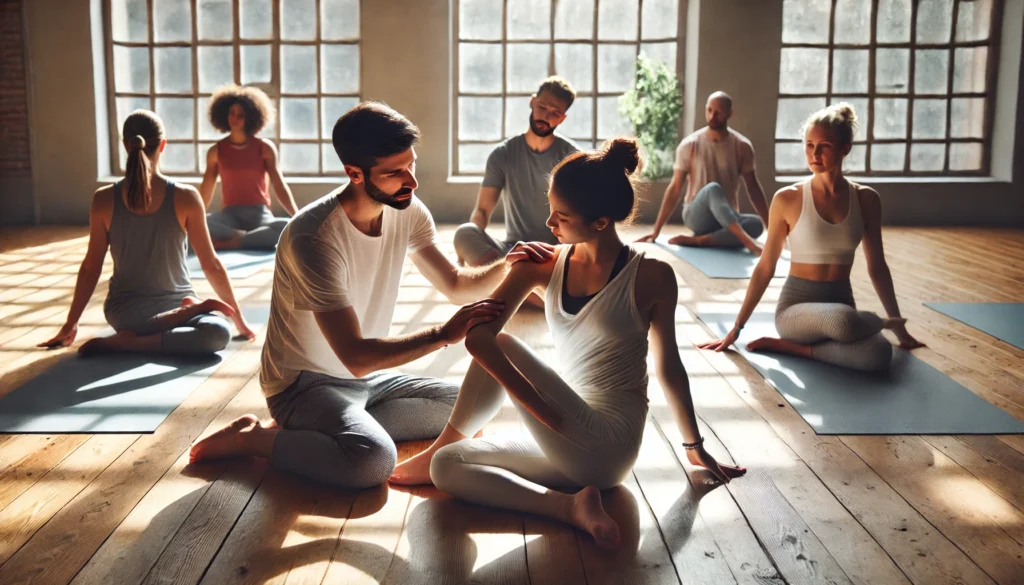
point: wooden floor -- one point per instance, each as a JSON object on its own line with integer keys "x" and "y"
{"x": 813, "y": 509}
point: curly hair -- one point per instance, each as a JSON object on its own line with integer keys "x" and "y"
{"x": 259, "y": 110}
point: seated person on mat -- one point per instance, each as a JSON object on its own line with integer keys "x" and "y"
{"x": 825, "y": 218}
{"x": 145, "y": 220}
{"x": 339, "y": 264}
{"x": 602, "y": 300}
{"x": 714, "y": 158}
{"x": 243, "y": 161}
{"x": 520, "y": 166}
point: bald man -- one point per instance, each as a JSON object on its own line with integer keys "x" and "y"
{"x": 714, "y": 158}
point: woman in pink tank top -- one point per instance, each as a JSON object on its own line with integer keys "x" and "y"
{"x": 243, "y": 161}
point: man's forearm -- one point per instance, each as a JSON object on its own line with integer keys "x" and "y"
{"x": 476, "y": 283}
{"x": 389, "y": 352}
{"x": 668, "y": 203}
{"x": 759, "y": 201}
{"x": 480, "y": 217}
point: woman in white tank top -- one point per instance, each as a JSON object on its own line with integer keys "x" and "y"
{"x": 602, "y": 301}
{"x": 825, "y": 218}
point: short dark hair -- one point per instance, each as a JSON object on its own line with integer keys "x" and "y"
{"x": 370, "y": 131}
{"x": 259, "y": 110}
{"x": 560, "y": 88}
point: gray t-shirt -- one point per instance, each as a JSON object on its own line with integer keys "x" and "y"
{"x": 523, "y": 175}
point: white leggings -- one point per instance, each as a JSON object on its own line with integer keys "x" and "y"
{"x": 597, "y": 445}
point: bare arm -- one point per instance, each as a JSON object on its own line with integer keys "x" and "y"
{"x": 284, "y": 194}
{"x": 668, "y": 204}
{"x": 756, "y": 194}
{"x": 486, "y": 201}
{"x": 461, "y": 285}
{"x": 209, "y": 177}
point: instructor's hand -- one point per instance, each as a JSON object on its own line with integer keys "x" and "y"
{"x": 468, "y": 317}
{"x": 538, "y": 252}
{"x": 723, "y": 343}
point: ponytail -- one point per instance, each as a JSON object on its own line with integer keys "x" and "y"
{"x": 143, "y": 132}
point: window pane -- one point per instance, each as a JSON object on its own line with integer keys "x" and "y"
{"x": 664, "y": 53}
{"x": 856, "y": 161}
{"x": 255, "y": 64}
{"x": 131, "y": 69}
{"x": 890, "y": 119}
{"x": 479, "y": 67}
{"x": 974, "y": 21}
{"x": 927, "y": 157}
{"x": 178, "y": 117}
{"x": 173, "y": 69}
{"x": 172, "y": 21}
{"x": 517, "y": 116}
{"x": 216, "y": 21}
{"x": 615, "y": 65}
{"x": 298, "y": 69}
{"x": 298, "y": 20}
{"x": 298, "y": 118}
{"x": 330, "y": 161}
{"x": 853, "y": 21}
{"x": 178, "y": 158}
{"x": 256, "y": 19}
{"x": 216, "y": 67}
{"x": 574, "y": 19}
{"x": 792, "y": 113}
{"x": 967, "y": 120}
{"x": 575, "y": 62}
{"x": 803, "y": 71}
{"x": 789, "y": 156}
{"x": 888, "y": 157}
{"x": 339, "y": 20}
{"x": 965, "y": 156}
{"x": 480, "y": 118}
{"x": 931, "y": 68}
{"x": 850, "y": 71}
{"x": 892, "y": 70}
{"x": 893, "y": 21}
{"x": 473, "y": 157}
{"x": 129, "y": 20}
{"x": 610, "y": 123}
{"x": 206, "y": 129}
{"x": 934, "y": 21}
{"x": 860, "y": 107}
{"x": 929, "y": 119}
{"x": 617, "y": 20}
{"x": 332, "y": 108}
{"x": 970, "y": 67}
{"x": 660, "y": 19}
{"x": 529, "y": 19}
{"x": 579, "y": 122}
{"x": 339, "y": 68}
{"x": 527, "y": 66}
{"x": 300, "y": 158}
{"x": 805, "y": 21}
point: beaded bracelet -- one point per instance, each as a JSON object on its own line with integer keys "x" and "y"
{"x": 692, "y": 446}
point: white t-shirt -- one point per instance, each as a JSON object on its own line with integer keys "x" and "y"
{"x": 325, "y": 264}
{"x": 723, "y": 162}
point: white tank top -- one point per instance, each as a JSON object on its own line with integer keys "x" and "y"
{"x": 602, "y": 349}
{"x": 816, "y": 241}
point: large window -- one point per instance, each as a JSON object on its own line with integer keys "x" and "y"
{"x": 920, "y": 74}
{"x": 170, "y": 55}
{"x": 504, "y": 48}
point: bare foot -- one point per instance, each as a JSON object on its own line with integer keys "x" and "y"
{"x": 588, "y": 514}
{"x": 116, "y": 342}
{"x": 414, "y": 470}
{"x": 774, "y": 344}
{"x": 188, "y": 302}
{"x": 211, "y": 305}
{"x": 684, "y": 240}
{"x": 225, "y": 442}
{"x": 755, "y": 250}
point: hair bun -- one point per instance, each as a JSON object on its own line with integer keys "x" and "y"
{"x": 623, "y": 153}
{"x": 846, "y": 112}
{"x": 138, "y": 142}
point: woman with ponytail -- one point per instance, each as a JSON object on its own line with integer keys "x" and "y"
{"x": 602, "y": 300}
{"x": 144, "y": 220}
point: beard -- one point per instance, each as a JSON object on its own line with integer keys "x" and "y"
{"x": 540, "y": 128}
{"x": 389, "y": 199}
{"x": 716, "y": 125}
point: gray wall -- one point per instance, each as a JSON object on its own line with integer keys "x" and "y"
{"x": 733, "y": 45}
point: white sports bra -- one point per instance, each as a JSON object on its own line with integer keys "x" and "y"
{"x": 816, "y": 241}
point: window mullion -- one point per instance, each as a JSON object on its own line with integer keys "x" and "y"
{"x": 949, "y": 84}
{"x": 910, "y": 84}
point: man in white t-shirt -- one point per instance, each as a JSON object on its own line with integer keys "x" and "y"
{"x": 715, "y": 158}
{"x": 338, "y": 266}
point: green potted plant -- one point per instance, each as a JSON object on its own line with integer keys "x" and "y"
{"x": 654, "y": 105}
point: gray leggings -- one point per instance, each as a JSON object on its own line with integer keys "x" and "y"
{"x": 473, "y": 245}
{"x": 263, "y": 230}
{"x": 202, "y": 334}
{"x": 823, "y": 315}
{"x": 343, "y": 431}
{"x": 710, "y": 213}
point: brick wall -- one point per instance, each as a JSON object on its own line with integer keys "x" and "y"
{"x": 14, "y": 145}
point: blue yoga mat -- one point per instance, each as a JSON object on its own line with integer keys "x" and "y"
{"x": 1003, "y": 321}
{"x": 238, "y": 263}
{"x": 724, "y": 262}
{"x": 912, "y": 398}
{"x": 124, "y": 393}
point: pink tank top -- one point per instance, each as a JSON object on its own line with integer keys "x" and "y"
{"x": 243, "y": 178}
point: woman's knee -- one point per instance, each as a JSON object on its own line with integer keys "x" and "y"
{"x": 878, "y": 356}
{"x": 370, "y": 462}
{"x": 211, "y": 335}
{"x": 752, "y": 225}
{"x": 445, "y": 466}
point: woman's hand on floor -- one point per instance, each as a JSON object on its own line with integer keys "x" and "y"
{"x": 243, "y": 327}
{"x": 64, "y": 337}
{"x": 723, "y": 473}
{"x": 723, "y": 343}
{"x": 906, "y": 340}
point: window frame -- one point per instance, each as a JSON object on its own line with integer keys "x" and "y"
{"x": 272, "y": 89}
{"x": 911, "y": 95}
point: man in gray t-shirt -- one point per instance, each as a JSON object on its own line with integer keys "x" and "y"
{"x": 520, "y": 166}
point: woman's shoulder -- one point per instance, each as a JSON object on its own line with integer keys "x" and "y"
{"x": 655, "y": 274}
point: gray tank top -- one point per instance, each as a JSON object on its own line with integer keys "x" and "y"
{"x": 148, "y": 251}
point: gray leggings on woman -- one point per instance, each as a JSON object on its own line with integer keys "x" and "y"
{"x": 823, "y": 315}
{"x": 710, "y": 213}
{"x": 203, "y": 334}
{"x": 262, "y": 228}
